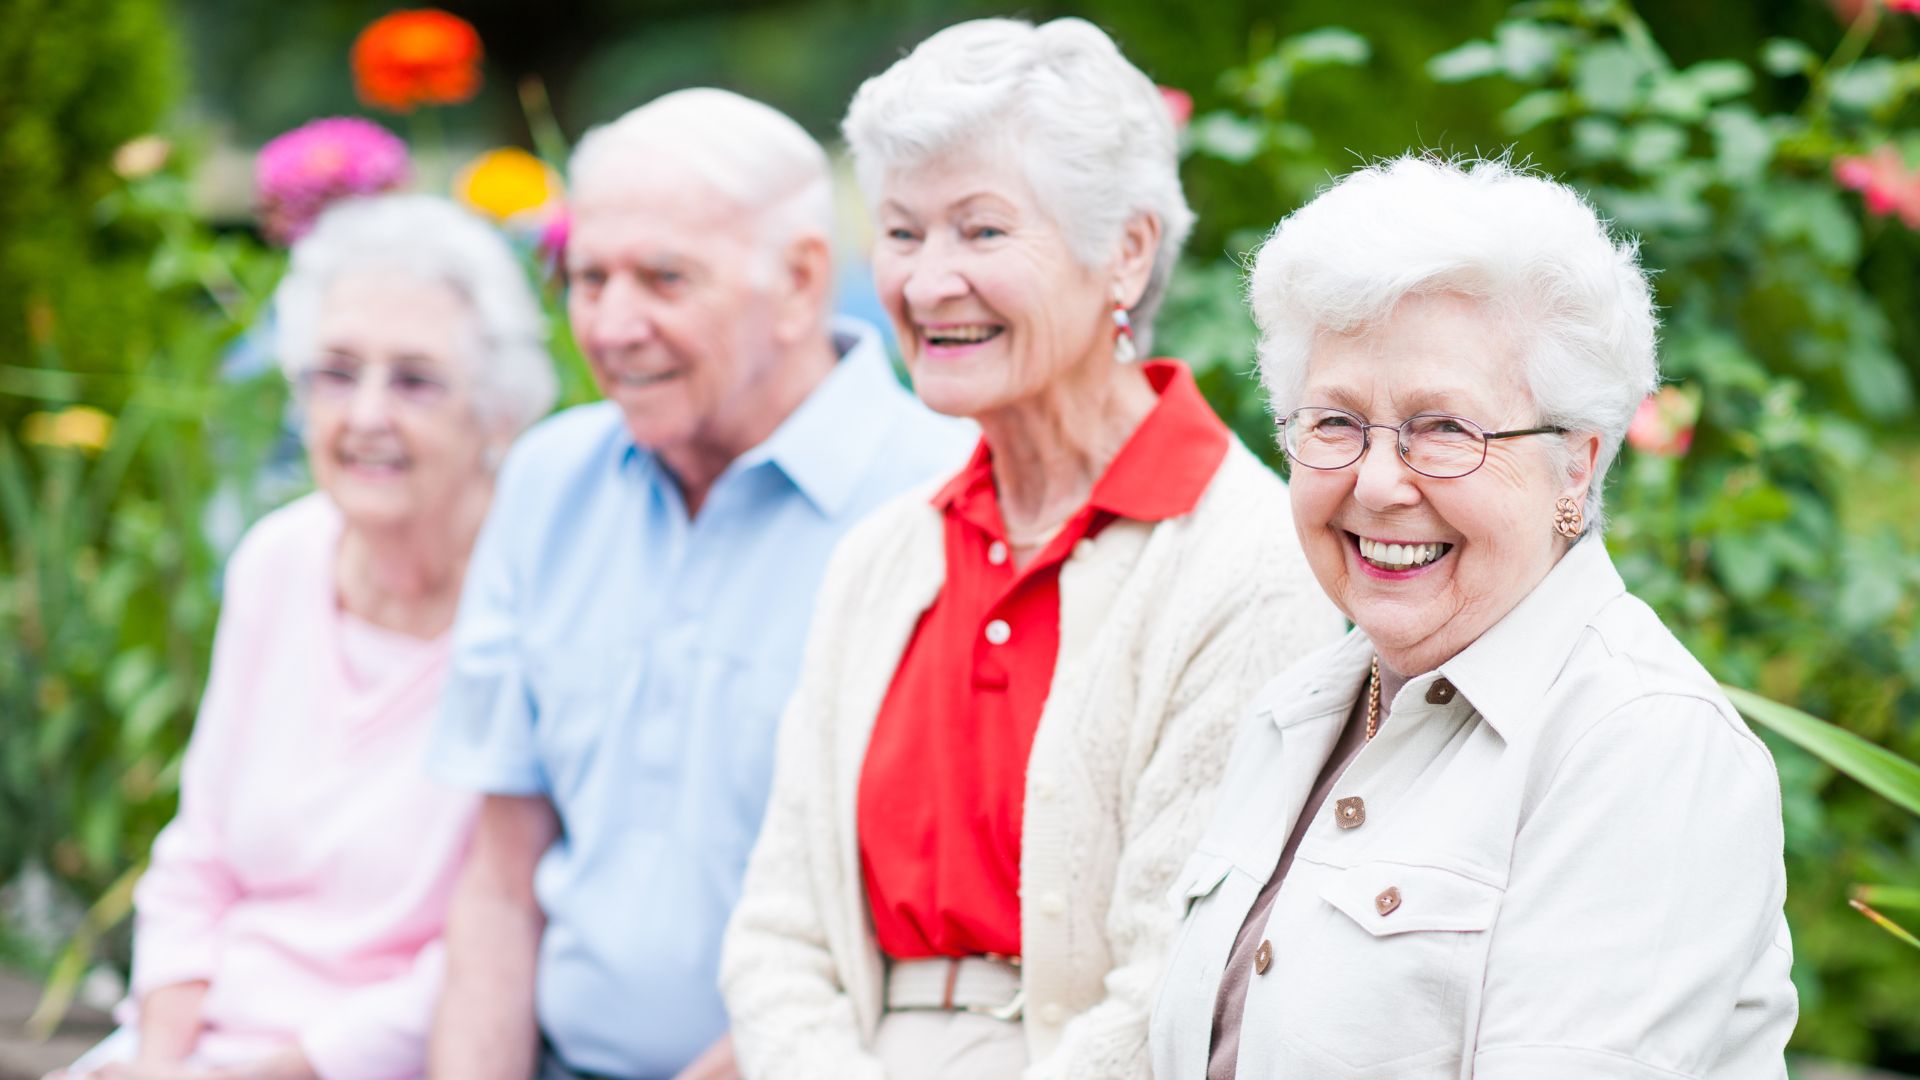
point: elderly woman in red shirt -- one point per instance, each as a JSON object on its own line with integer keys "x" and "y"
{"x": 1020, "y": 687}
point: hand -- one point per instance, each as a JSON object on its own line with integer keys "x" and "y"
{"x": 714, "y": 1063}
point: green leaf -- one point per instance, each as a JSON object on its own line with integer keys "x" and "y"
{"x": 1535, "y": 109}
{"x": 1328, "y": 46}
{"x": 1720, "y": 79}
{"x": 1878, "y": 382}
{"x": 1882, "y": 771}
{"x": 1892, "y": 896}
{"x": 1783, "y": 57}
{"x": 1474, "y": 60}
{"x": 1596, "y": 138}
{"x": 1652, "y": 145}
{"x": 1225, "y": 136}
{"x": 1742, "y": 144}
{"x": 1607, "y": 78}
{"x": 1745, "y": 564}
{"x": 1866, "y": 85}
{"x": 1528, "y": 50}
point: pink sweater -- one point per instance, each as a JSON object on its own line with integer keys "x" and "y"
{"x": 307, "y": 875}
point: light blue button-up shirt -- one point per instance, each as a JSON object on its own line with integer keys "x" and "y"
{"x": 631, "y": 665}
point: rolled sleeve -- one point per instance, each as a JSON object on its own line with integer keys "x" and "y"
{"x": 1646, "y": 885}
{"x": 483, "y": 739}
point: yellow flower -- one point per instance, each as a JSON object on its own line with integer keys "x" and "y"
{"x": 141, "y": 157}
{"x": 506, "y": 182}
{"x": 78, "y": 427}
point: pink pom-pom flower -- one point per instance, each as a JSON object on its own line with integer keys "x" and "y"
{"x": 302, "y": 172}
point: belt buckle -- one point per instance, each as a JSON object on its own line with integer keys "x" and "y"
{"x": 1012, "y": 1010}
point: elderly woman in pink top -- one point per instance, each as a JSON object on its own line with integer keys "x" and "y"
{"x": 289, "y": 925}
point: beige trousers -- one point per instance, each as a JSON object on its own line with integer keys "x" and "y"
{"x": 932, "y": 1044}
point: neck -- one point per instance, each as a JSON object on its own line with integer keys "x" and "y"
{"x": 1391, "y": 680}
{"x": 406, "y": 576}
{"x": 793, "y": 375}
{"x": 1049, "y": 450}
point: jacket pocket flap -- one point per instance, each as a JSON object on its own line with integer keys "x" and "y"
{"x": 1202, "y": 874}
{"x": 1397, "y": 898}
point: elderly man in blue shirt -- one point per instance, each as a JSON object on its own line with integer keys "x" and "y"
{"x": 635, "y": 609}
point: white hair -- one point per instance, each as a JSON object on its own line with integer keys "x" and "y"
{"x": 751, "y": 154}
{"x": 432, "y": 240}
{"x": 1576, "y": 303}
{"x": 1092, "y": 132}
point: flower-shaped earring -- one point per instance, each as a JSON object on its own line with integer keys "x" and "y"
{"x": 1567, "y": 518}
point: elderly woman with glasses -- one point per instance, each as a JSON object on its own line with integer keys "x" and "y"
{"x": 1508, "y": 828}
{"x": 1019, "y": 688}
{"x": 288, "y": 927}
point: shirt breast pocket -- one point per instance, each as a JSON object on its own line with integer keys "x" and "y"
{"x": 1383, "y": 976}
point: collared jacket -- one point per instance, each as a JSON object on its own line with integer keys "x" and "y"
{"x": 1164, "y": 629}
{"x": 1567, "y": 864}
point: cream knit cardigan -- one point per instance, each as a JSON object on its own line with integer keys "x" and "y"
{"x": 1167, "y": 630}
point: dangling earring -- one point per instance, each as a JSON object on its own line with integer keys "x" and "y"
{"x": 1123, "y": 347}
{"x": 1567, "y": 518}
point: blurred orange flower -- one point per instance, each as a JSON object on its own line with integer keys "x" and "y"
{"x": 507, "y": 182}
{"x": 1663, "y": 425}
{"x": 411, "y": 58}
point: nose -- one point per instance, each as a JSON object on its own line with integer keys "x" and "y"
{"x": 1382, "y": 481}
{"x": 622, "y": 314}
{"x": 933, "y": 278}
{"x": 371, "y": 405}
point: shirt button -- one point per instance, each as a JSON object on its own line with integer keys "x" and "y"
{"x": 1440, "y": 692}
{"x": 998, "y": 632}
{"x": 1262, "y": 958}
{"x": 1387, "y": 902}
{"x": 1052, "y": 1014}
{"x": 1350, "y": 812}
{"x": 996, "y": 553}
{"x": 1053, "y": 904}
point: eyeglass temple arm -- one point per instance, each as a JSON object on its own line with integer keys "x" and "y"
{"x": 1491, "y": 435}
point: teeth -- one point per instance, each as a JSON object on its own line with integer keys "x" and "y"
{"x": 1400, "y": 556}
{"x": 961, "y": 335}
{"x": 635, "y": 378}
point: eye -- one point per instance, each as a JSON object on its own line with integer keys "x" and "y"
{"x": 331, "y": 378}
{"x": 988, "y": 232}
{"x": 591, "y": 278}
{"x": 1332, "y": 421}
{"x": 901, "y": 234}
{"x": 416, "y": 384}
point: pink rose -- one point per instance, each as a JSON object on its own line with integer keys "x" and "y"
{"x": 1884, "y": 181}
{"x": 1663, "y": 425}
{"x": 1180, "y": 104}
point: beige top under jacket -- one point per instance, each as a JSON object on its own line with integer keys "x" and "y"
{"x": 1564, "y": 862}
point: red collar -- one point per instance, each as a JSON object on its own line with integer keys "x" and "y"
{"x": 1161, "y": 472}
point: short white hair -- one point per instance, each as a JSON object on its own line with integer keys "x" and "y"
{"x": 1540, "y": 258}
{"x": 1091, "y": 130}
{"x": 432, "y": 240}
{"x": 750, "y": 153}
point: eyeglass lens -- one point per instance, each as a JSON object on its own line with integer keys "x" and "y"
{"x": 1432, "y": 444}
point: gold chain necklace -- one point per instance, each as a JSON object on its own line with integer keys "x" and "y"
{"x": 1373, "y": 698}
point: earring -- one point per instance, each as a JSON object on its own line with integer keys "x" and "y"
{"x": 1124, "y": 350}
{"x": 1567, "y": 518}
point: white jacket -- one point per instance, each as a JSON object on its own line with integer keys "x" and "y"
{"x": 1167, "y": 629}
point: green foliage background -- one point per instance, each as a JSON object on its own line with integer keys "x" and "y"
{"x": 1782, "y": 546}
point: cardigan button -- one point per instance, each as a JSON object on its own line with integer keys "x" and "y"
{"x": 1350, "y": 812}
{"x": 1052, "y": 1014}
{"x": 998, "y": 632}
{"x": 1053, "y": 904}
{"x": 1082, "y": 548}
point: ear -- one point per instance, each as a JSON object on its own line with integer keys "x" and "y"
{"x": 1139, "y": 243}
{"x": 1584, "y": 446}
{"x": 803, "y": 287}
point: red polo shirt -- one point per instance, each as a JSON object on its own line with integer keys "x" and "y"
{"x": 943, "y": 787}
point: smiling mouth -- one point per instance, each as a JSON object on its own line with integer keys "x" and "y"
{"x": 1398, "y": 555}
{"x": 637, "y": 378}
{"x": 373, "y": 463}
{"x": 956, "y": 336}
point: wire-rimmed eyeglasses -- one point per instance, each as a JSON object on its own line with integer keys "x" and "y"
{"x": 1438, "y": 445}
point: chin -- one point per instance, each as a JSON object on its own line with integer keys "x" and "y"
{"x": 950, "y": 394}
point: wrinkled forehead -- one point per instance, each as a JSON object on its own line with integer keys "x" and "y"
{"x": 1435, "y": 352}
{"x": 656, "y": 217}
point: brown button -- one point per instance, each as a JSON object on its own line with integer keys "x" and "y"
{"x": 1440, "y": 692}
{"x": 1262, "y": 958}
{"x": 1388, "y": 901}
{"x": 1350, "y": 812}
